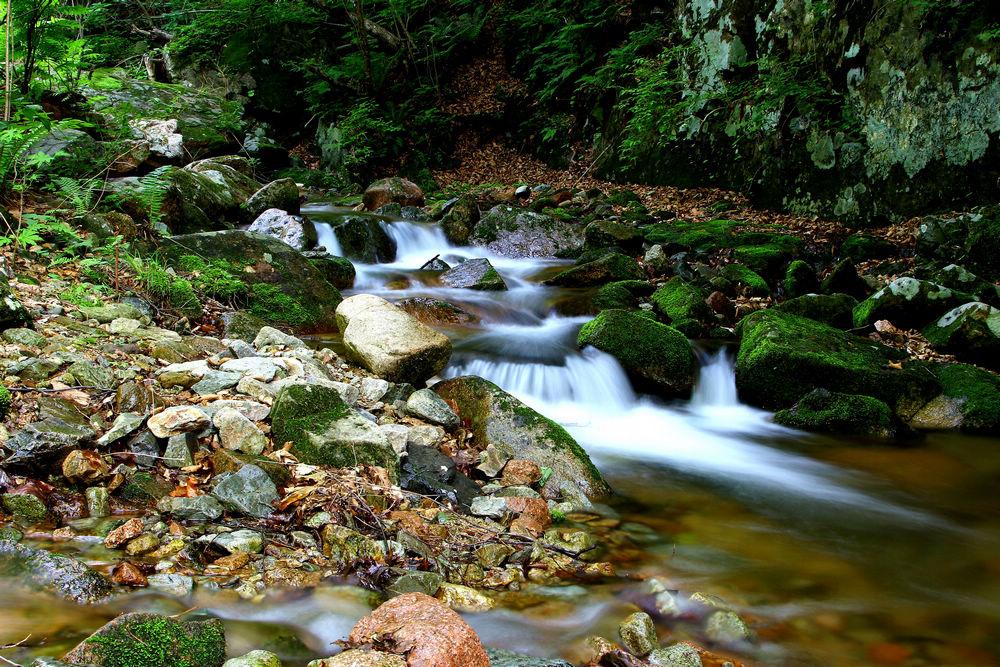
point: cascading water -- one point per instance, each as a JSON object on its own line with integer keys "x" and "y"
{"x": 716, "y": 386}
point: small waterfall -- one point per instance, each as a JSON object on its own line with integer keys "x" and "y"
{"x": 326, "y": 237}
{"x": 716, "y": 386}
{"x": 416, "y": 241}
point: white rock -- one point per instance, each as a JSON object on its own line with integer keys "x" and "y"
{"x": 177, "y": 420}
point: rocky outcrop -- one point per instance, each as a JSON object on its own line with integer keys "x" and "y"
{"x": 295, "y": 230}
{"x": 970, "y": 332}
{"x": 508, "y": 429}
{"x": 612, "y": 267}
{"x": 907, "y": 302}
{"x": 850, "y": 414}
{"x": 389, "y": 342}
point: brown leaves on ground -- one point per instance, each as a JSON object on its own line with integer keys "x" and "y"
{"x": 909, "y": 340}
{"x": 422, "y": 628}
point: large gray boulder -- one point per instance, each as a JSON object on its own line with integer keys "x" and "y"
{"x": 476, "y": 274}
{"x": 389, "y": 342}
{"x": 907, "y": 302}
{"x": 61, "y": 575}
{"x": 515, "y": 232}
{"x": 282, "y": 194}
{"x": 295, "y": 230}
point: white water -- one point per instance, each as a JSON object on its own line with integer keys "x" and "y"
{"x": 531, "y": 352}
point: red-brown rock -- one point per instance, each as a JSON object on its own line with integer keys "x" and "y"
{"x": 123, "y": 533}
{"x": 426, "y": 631}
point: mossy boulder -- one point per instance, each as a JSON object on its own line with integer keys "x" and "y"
{"x": 837, "y": 310}
{"x": 969, "y": 400}
{"x": 610, "y": 234}
{"x": 908, "y": 302}
{"x": 59, "y": 575}
{"x": 474, "y": 274}
{"x": 12, "y": 312}
{"x": 971, "y": 239}
{"x": 280, "y": 285}
{"x": 863, "y": 247}
{"x": 832, "y": 412}
{"x": 961, "y": 279}
{"x": 515, "y": 232}
{"x": 611, "y": 267}
{"x": 746, "y": 279}
{"x": 677, "y": 235}
{"x": 339, "y": 271}
{"x": 436, "y": 312}
{"x": 800, "y": 278}
{"x": 508, "y": 429}
{"x": 364, "y": 239}
{"x": 281, "y": 194}
{"x": 324, "y": 430}
{"x": 460, "y": 219}
{"x": 654, "y": 354}
{"x": 844, "y": 279}
{"x": 151, "y": 640}
{"x": 623, "y": 294}
{"x": 684, "y": 304}
{"x": 971, "y": 332}
{"x": 782, "y": 357}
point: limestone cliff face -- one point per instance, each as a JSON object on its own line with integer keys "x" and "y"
{"x": 859, "y": 109}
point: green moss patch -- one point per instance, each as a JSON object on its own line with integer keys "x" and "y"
{"x": 655, "y": 354}
{"x": 684, "y": 304}
{"x": 833, "y": 412}
{"x": 782, "y": 357}
{"x": 978, "y": 390}
{"x": 745, "y": 277}
{"x": 150, "y": 640}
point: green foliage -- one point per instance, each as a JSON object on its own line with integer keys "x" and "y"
{"x": 85, "y": 294}
{"x": 215, "y": 277}
{"x": 49, "y": 49}
{"x": 166, "y": 286}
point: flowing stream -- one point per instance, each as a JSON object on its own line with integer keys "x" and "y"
{"x": 841, "y": 552}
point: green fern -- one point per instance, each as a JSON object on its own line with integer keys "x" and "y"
{"x": 79, "y": 194}
{"x": 152, "y": 195}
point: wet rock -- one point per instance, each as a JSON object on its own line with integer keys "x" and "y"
{"x": 199, "y": 508}
{"x": 609, "y": 234}
{"x": 98, "y": 502}
{"x": 249, "y": 491}
{"x": 41, "y": 442}
{"x": 435, "y": 312}
{"x": 410, "y": 581}
{"x": 142, "y": 545}
{"x": 726, "y": 627}
{"x": 363, "y": 238}
{"x": 392, "y": 191}
{"x": 681, "y": 654}
{"x": 783, "y": 357}
{"x": 474, "y": 274}
{"x": 387, "y": 341}
{"x": 123, "y": 533}
{"x": 125, "y": 424}
{"x": 338, "y": 270}
{"x": 684, "y": 304}
{"x": 145, "y": 448}
{"x": 970, "y": 332}
{"x": 426, "y": 631}
{"x": 655, "y": 355}
{"x": 515, "y": 232}
{"x": 26, "y": 508}
{"x": 502, "y": 423}
{"x": 225, "y": 460}
{"x": 238, "y": 432}
{"x": 179, "y": 450}
{"x": 426, "y": 405}
{"x": 177, "y": 420}
{"x": 968, "y": 400}
{"x": 152, "y": 640}
{"x": 326, "y": 431}
{"x": 907, "y": 302}
{"x": 521, "y": 473}
{"x": 33, "y": 369}
{"x": 254, "y": 659}
{"x": 459, "y": 218}
{"x": 84, "y": 466}
{"x": 286, "y": 577}
{"x": 361, "y": 658}
{"x": 295, "y": 230}
{"x": 465, "y": 600}
{"x": 241, "y": 541}
{"x": 63, "y": 576}
{"x": 347, "y": 547}
{"x": 280, "y": 194}
{"x": 427, "y": 471}
{"x": 638, "y": 634}
{"x": 177, "y": 585}
{"x": 609, "y": 268}
{"x": 127, "y": 574}
{"x": 833, "y": 412}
